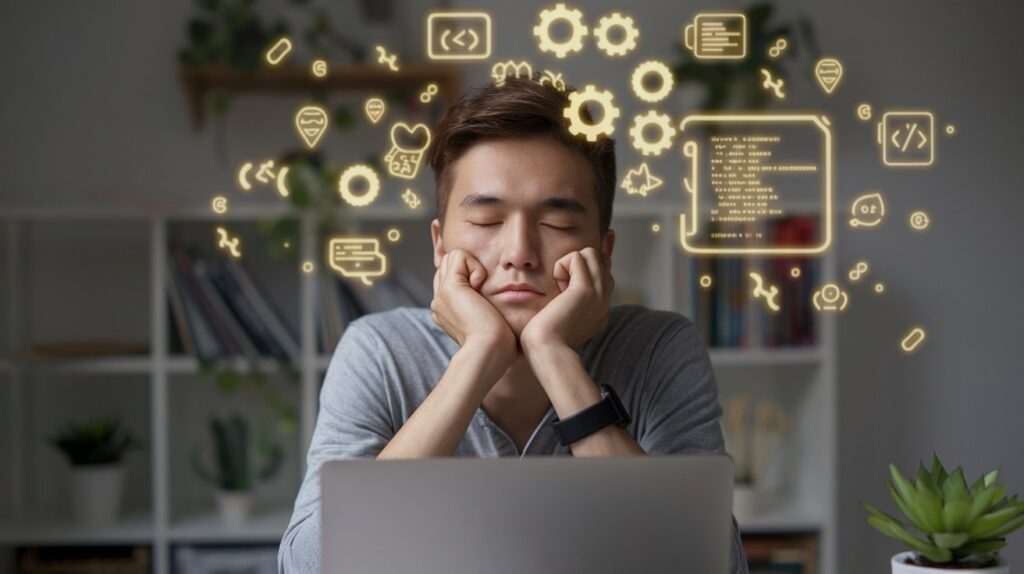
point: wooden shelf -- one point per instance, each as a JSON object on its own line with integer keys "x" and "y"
{"x": 199, "y": 81}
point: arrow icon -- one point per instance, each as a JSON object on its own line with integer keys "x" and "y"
{"x": 458, "y": 36}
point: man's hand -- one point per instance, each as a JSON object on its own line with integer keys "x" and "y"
{"x": 580, "y": 311}
{"x": 460, "y": 309}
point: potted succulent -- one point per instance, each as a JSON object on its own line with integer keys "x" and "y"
{"x": 238, "y": 466}
{"x": 959, "y": 527}
{"x": 95, "y": 450}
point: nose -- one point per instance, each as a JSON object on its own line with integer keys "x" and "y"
{"x": 519, "y": 245}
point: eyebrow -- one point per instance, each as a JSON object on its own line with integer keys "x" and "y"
{"x": 563, "y": 203}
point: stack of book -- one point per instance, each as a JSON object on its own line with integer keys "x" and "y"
{"x": 341, "y": 301}
{"x": 218, "y": 310}
{"x": 729, "y": 315}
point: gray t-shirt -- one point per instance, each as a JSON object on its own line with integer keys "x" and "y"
{"x": 387, "y": 363}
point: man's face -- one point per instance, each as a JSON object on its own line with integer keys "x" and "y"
{"x": 519, "y": 205}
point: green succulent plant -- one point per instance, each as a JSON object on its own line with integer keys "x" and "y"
{"x": 956, "y": 524}
{"x": 237, "y": 465}
{"x": 102, "y": 441}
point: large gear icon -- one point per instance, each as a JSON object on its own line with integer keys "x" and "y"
{"x": 652, "y": 118}
{"x": 543, "y": 30}
{"x": 372, "y": 185}
{"x": 652, "y": 67}
{"x": 629, "y": 34}
{"x": 577, "y": 125}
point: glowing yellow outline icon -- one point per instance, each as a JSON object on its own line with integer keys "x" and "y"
{"x": 912, "y": 340}
{"x": 385, "y": 59}
{"x": 830, "y": 298}
{"x": 603, "y": 98}
{"x": 858, "y": 271}
{"x": 311, "y": 123}
{"x": 772, "y": 84}
{"x": 828, "y": 71}
{"x": 319, "y": 68}
{"x": 456, "y": 36}
{"x": 548, "y": 17}
{"x": 717, "y": 36}
{"x": 405, "y": 162}
{"x": 767, "y": 294}
{"x": 552, "y": 79}
{"x": 411, "y": 199}
{"x": 276, "y": 53}
{"x": 502, "y": 70}
{"x": 867, "y": 210}
{"x": 219, "y": 204}
{"x": 374, "y": 108}
{"x": 641, "y": 72}
{"x": 357, "y": 257}
{"x": 919, "y": 220}
{"x": 640, "y": 125}
{"x": 630, "y": 34}
{"x": 901, "y": 135}
{"x": 372, "y": 185}
{"x": 228, "y": 243}
{"x": 265, "y": 174}
{"x": 690, "y": 184}
{"x": 645, "y": 181}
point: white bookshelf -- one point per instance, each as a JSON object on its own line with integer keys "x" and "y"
{"x": 33, "y": 246}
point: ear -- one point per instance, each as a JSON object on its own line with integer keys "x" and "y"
{"x": 435, "y": 235}
{"x": 607, "y": 246}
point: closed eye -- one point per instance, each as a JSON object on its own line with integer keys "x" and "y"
{"x": 484, "y": 224}
{"x": 559, "y": 228}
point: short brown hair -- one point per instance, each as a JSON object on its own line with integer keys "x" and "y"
{"x": 519, "y": 108}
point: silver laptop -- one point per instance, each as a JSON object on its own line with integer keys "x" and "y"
{"x": 538, "y": 515}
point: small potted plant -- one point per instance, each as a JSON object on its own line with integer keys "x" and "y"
{"x": 95, "y": 450}
{"x": 959, "y": 527}
{"x": 238, "y": 466}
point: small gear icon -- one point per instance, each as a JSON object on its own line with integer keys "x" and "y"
{"x": 629, "y": 34}
{"x": 652, "y": 67}
{"x": 652, "y": 118}
{"x": 543, "y": 30}
{"x": 577, "y": 125}
{"x": 372, "y": 185}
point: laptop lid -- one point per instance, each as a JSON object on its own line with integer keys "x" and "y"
{"x": 540, "y": 514}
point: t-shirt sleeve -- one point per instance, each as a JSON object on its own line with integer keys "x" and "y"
{"x": 682, "y": 409}
{"x": 353, "y": 422}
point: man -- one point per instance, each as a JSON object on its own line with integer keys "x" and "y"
{"x": 519, "y": 334}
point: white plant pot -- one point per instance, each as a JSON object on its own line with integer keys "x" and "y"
{"x": 744, "y": 502}
{"x": 96, "y": 491}
{"x": 234, "y": 506}
{"x": 900, "y": 566}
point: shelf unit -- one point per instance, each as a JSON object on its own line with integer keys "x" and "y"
{"x": 647, "y": 263}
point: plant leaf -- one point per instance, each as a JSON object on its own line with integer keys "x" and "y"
{"x": 899, "y": 533}
{"x": 955, "y": 515}
{"x": 950, "y": 540}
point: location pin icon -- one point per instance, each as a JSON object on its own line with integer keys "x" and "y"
{"x": 828, "y": 71}
{"x": 374, "y": 109}
{"x": 311, "y": 122}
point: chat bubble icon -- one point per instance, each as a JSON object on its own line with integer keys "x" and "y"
{"x": 357, "y": 258}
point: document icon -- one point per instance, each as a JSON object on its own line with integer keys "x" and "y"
{"x": 719, "y": 36}
{"x": 757, "y": 184}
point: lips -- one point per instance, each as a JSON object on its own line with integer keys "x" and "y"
{"x": 518, "y": 293}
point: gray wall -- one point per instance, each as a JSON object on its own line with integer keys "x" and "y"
{"x": 91, "y": 109}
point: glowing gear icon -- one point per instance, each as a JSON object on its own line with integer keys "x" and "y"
{"x": 372, "y": 185}
{"x": 548, "y": 17}
{"x": 579, "y": 126}
{"x": 652, "y": 67}
{"x": 629, "y": 34}
{"x": 652, "y": 119}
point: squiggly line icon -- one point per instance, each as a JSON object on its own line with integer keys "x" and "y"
{"x": 768, "y": 295}
{"x": 390, "y": 60}
{"x": 773, "y": 84}
{"x": 227, "y": 243}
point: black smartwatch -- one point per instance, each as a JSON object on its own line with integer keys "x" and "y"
{"x": 607, "y": 411}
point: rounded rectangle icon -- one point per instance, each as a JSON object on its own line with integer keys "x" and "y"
{"x": 459, "y": 36}
{"x": 757, "y": 184}
{"x": 357, "y": 258}
{"x": 717, "y": 36}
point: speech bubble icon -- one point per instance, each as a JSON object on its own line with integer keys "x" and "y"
{"x": 374, "y": 108}
{"x": 311, "y": 122}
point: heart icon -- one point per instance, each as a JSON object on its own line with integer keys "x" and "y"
{"x": 410, "y": 139}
